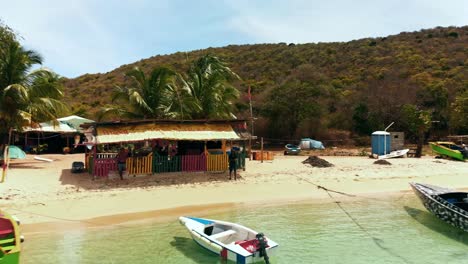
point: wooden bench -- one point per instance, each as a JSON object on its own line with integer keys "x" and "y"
{"x": 223, "y": 234}
{"x": 6, "y": 241}
{"x": 6, "y": 249}
{"x": 411, "y": 152}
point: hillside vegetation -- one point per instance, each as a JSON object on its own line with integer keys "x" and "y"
{"x": 327, "y": 90}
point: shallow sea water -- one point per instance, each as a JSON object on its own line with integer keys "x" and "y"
{"x": 390, "y": 230}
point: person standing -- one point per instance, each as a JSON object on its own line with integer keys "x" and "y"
{"x": 121, "y": 161}
{"x": 233, "y": 163}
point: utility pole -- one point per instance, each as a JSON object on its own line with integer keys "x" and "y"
{"x": 251, "y": 123}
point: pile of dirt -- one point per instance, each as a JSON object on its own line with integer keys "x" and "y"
{"x": 315, "y": 161}
{"x": 382, "y": 162}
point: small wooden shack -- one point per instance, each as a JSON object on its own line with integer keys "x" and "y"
{"x": 157, "y": 146}
{"x": 397, "y": 140}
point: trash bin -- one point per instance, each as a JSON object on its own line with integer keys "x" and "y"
{"x": 77, "y": 167}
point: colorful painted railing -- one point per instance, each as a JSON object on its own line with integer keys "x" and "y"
{"x": 140, "y": 165}
{"x": 194, "y": 162}
{"x": 217, "y": 162}
{"x": 166, "y": 164}
{"x": 100, "y": 167}
{"x": 103, "y": 166}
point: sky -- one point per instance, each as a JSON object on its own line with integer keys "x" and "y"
{"x": 96, "y": 36}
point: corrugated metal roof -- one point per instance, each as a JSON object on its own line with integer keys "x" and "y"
{"x": 141, "y": 132}
{"x": 52, "y": 127}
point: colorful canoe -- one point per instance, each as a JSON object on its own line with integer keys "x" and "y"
{"x": 229, "y": 240}
{"x": 449, "y": 149}
{"x": 447, "y": 204}
{"x": 10, "y": 239}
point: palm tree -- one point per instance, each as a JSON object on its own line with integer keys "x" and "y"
{"x": 26, "y": 96}
{"x": 209, "y": 84}
{"x": 155, "y": 96}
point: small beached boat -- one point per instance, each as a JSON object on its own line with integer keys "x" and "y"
{"x": 449, "y": 149}
{"x": 229, "y": 240}
{"x": 447, "y": 204}
{"x": 395, "y": 154}
{"x": 10, "y": 239}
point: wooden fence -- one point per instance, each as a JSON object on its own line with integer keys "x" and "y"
{"x": 166, "y": 164}
{"x": 102, "y": 167}
{"x": 154, "y": 163}
{"x": 140, "y": 165}
{"x": 217, "y": 162}
{"x": 194, "y": 162}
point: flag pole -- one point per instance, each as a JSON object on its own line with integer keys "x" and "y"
{"x": 251, "y": 123}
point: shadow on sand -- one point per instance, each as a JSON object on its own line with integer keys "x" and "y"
{"x": 432, "y": 222}
{"x": 25, "y": 165}
{"x": 195, "y": 252}
{"x": 85, "y": 181}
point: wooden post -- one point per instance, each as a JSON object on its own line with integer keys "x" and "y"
{"x": 244, "y": 152}
{"x": 261, "y": 148}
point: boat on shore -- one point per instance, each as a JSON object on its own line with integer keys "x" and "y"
{"x": 229, "y": 240}
{"x": 395, "y": 154}
{"x": 449, "y": 205}
{"x": 449, "y": 149}
{"x": 10, "y": 239}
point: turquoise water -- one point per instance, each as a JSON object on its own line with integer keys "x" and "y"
{"x": 394, "y": 230}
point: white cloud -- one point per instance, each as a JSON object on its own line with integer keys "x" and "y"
{"x": 324, "y": 21}
{"x": 87, "y": 36}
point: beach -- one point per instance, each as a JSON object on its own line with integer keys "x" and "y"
{"x": 44, "y": 193}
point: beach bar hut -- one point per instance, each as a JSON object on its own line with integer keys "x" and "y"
{"x": 381, "y": 142}
{"x": 165, "y": 145}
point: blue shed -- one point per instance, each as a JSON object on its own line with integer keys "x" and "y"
{"x": 381, "y": 142}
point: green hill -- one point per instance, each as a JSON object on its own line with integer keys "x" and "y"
{"x": 325, "y": 89}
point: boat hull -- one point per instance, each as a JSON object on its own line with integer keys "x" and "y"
{"x": 10, "y": 240}
{"x": 395, "y": 154}
{"x": 449, "y": 213}
{"x": 439, "y": 147}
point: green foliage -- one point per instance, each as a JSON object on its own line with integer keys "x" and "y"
{"x": 384, "y": 76}
{"x": 459, "y": 116}
{"x": 26, "y": 96}
{"x": 361, "y": 119}
{"x": 416, "y": 121}
{"x": 453, "y": 34}
{"x": 208, "y": 81}
{"x": 291, "y": 104}
{"x": 206, "y": 93}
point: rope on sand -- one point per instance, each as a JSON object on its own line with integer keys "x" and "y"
{"x": 324, "y": 188}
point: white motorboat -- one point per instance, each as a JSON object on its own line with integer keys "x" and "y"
{"x": 229, "y": 240}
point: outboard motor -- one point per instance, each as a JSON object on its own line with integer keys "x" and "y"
{"x": 262, "y": 245}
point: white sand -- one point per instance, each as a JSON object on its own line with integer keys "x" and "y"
{"x": 39, "y": 192}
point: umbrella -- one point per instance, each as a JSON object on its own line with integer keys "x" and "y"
{"x": 15, "y": 153}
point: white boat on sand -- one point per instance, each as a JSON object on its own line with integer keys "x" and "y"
{"x": 395, "y": 154}
{"x": 229, "y": 240}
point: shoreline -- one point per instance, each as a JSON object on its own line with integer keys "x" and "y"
{"x": 47, "y": 196}
{"x": 172, "y": 214}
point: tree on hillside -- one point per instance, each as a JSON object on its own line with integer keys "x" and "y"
{"x": 289, "y": 105}
{"x": 417, "y": 122}
{"x": 26, "y": 96}
{"x": 434, "y": 98}
{"x": 459, "y": 115}
{"x": 154, "y": 96}
{"x": 208, "y": 81}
